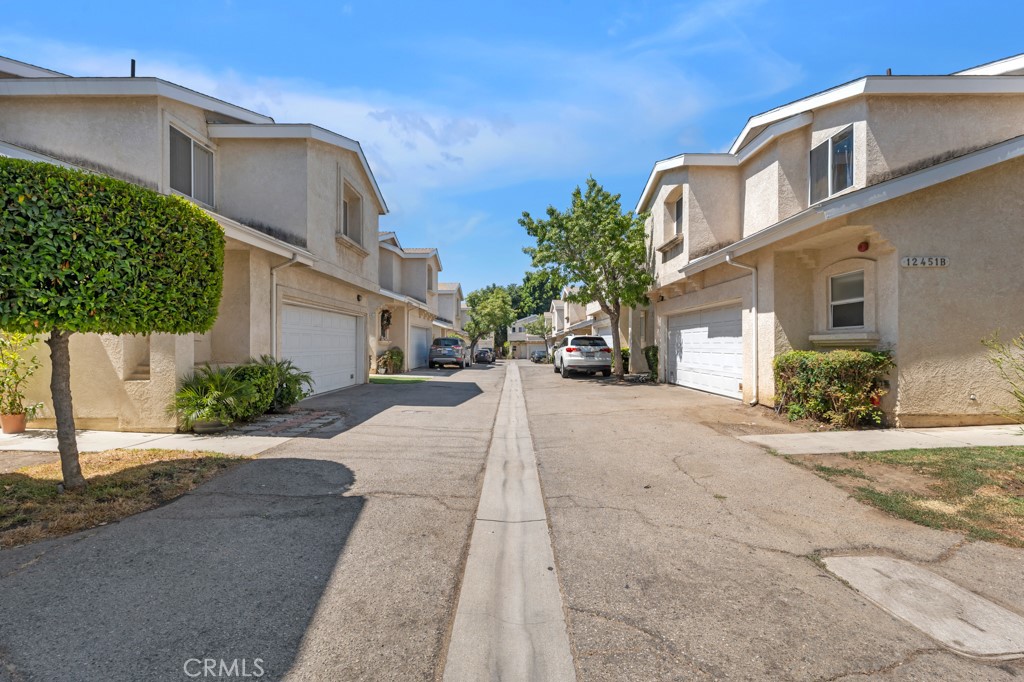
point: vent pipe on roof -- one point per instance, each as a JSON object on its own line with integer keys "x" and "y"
{"x": 888, "y": 72}
{"x": 133, "y": 68}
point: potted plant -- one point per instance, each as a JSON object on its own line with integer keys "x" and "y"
{"x": 206, "y": 400}
{"x": 15, "y": 369}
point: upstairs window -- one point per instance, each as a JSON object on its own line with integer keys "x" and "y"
{"x": 191, "y": 168}
{"x": 350, "y": 211}
{"x": 430, "y": 278}
{"x": 846, "y": 300}
{"x": 679, "y": 215}
{"x": 832, "y": 165}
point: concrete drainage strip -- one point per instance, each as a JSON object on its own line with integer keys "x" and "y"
{"x": 958, "y": 619}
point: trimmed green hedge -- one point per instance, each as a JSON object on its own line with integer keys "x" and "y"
{"x": 651, "y": 355}
{"x": 84, "y": 252}
{"x": 841, "y": 387}
{"x": 263, "y": 381}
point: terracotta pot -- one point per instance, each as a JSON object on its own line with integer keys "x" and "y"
{"x": 13, "y": 423}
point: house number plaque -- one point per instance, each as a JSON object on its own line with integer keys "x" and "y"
{"x": 924, "y": 261}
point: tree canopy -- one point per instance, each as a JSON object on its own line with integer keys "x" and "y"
{"x": 597, "y": 248}
{"x": 538, "y": 289}
{"x": 490, "y": 311}
{"x": 84, "y": 252}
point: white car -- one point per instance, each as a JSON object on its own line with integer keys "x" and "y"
{"x": 589, "y": 354}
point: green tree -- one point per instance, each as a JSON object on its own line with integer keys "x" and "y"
{"x": 598, "y": 248}
{"x": 539, "y": 288}
{"x": 541, "y": 328}
{"x": 490, "y": 310}
{"x": 83, "y": 252}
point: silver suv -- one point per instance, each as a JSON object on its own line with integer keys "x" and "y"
{"x": 449, "y": 351}
{"x": 589, "y": 354}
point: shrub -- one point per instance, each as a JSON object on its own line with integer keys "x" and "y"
{"x": 624, "y": 352}
{"x": 1009, "y": 360}
{"x": 210, "y": 395}
{"x": 391, "y": 360}
{"x": 841, "y": 387}
{"x": 16, "y": 367}
{"x": 262, "y": 379}
{"x": 651, "y": 355}
{"x": 291, "y": 384}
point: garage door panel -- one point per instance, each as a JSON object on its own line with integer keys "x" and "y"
{"x": 323, "y": 343}
{"x": 705, "y": 350}
{"x": 419, "y": 346}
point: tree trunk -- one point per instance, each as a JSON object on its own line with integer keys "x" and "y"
{"x": 60, "y": 391}
{"x": 616, "y": 312}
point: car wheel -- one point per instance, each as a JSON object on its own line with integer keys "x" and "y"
{"x": 606, "y": 372}
{"x": 565, "y": 371}
{"x": 554, "y": 366}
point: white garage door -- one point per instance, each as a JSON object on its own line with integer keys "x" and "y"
{"x": 705, "y": 350}
{"x": 323, "y": 343}
{"x": 419, "y": 344}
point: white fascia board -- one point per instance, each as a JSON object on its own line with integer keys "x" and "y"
{"x": 863, "y": 198}
{"x": 253, "y": 237}
{"x": 308, "y": 131}
{"x": 25, "y": 70}
{"x": 402, "y": 298}
{"x": 123, "y": 87}
{"x": 957, "y": 84}
{"x": 997, "y": 68}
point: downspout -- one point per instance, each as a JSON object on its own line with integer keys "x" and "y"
{"x": 753, "y": 309}
{"x": 273, "y": 302}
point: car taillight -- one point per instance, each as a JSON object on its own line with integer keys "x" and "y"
{"x": 606, "y": 350}
{"x": 457, "y": 347}
{"x": 570, "y": 349}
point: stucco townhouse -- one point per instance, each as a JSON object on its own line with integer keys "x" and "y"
{"x": 412, "y": 307}
{"x": 521, "y": 342}
{"x": 884, "y": 213}
{"x": 581, "y": 319}
{"x": 299, "y": 206}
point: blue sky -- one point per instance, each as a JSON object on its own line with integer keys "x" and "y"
{"x": 472, "y": 112}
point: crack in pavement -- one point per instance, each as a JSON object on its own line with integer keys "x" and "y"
{"x": 908, "y": 658}
{"x": 665, "y": 642}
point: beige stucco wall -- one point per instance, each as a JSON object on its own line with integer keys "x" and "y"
{"x": 119, "y": 136}
{"x": 944, "y": 313}
{"x": 262, "y": 183}
{"x": 903, "y": 131}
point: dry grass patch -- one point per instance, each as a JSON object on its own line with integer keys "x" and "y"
{"x": 975, "y": 491}
{"x": 121, "y": 483}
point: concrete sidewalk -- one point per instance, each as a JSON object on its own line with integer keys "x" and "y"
{"x": 45, "y": 440}
{"x": 827, "y": 442}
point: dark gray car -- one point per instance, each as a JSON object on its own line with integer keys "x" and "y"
{"x": 449, "y": 351}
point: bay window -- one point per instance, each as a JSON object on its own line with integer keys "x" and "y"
{"x": 831, "y": 166}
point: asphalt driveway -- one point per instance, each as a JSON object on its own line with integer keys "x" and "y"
{"x": 329, "y": 558}
{"x": 686, "y": 554}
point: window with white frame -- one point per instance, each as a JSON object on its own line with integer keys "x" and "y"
{"x": 846, "y": 300}
{"x": 430, "y": 278}
{"x": 679, "y": 215}
{"x": 832, "y": 165}
{"x": 191, "y": 167}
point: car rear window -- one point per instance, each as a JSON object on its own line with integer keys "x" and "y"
{"x": 447, "y": 342}
{"x": 589, "y": 342}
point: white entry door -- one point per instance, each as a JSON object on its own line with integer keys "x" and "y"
{"x": 705, "y": 350}
{"x": 419, "y": 347}
{"x": 322, "y": 342}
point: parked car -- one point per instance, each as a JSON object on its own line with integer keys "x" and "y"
{"x": 449, "y": 351}
{"x": 484, "y": 355}
{"x": 589, "y": 354}
{"x": 538, "y": 356}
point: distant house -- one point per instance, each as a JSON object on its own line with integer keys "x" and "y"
{"x": 884, "y": 213}
{"x": 521, "y": 342}
{"x": 406, "y": 309}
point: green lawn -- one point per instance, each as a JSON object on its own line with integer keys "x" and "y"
{"x": 378, "y": 379}
{"x": 975, "y": 491}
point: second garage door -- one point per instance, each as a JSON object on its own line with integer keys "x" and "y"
{"x": 321, "y": 342}
{"x": 705, "y": 350}
{"x": 419, "y": 346}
